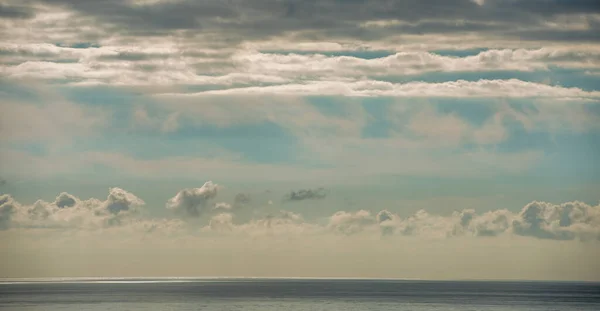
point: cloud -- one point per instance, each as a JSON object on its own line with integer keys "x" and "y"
{"x": 221, "y": 222}
{"x": 242, "y": 199}
{"x": 513, "y": 88}
{"x": 172, "y": 65}
{"x": 449, "y": 129}
{"x": 7, "y": 208}
{"x": 193, "y": 202}
{"x": 279, "y": 224}
{"x": 239, "y": 201}
{"x": 65, "y": 200}
{"x": 349, "y": 223}
{"x": 70, "y": 212}
{"x": 384, "y": 216}
{"x": 261, "y": 19}
{"x": 396, "y": 157}
{"x": 18, "y": 12}
{"x": 306, "y": 194}
{"x": 491, "y": 223}
{"x": 121, "y": 211}
{"x": 387, "y": 221}
{"x": 143, "y": 122}
{"x": 240, "y": 46}
{"x": 120, "y": 201}
{"x": 275, "y": 225}
{"x": 283, "y": 217}
{"x": 322, "y": 67}
{"x": 222, "y": 206}
{"x": 565, "y": 221}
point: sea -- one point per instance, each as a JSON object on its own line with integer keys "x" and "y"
{"x": 295, "y": 294}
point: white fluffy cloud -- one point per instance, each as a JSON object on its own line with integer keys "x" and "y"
{"x": 221, "y": 222}
{"x": 567, "y": 221}
{"x": 348, "y": 222}
{"x": 65, "y": 200}
{"x": 193, "y": 202}
{"x": 68, "y": 211}
{"x": 490, "y": 223}
{"x": 120, "y": 201}
{"x": 564, "y": 221}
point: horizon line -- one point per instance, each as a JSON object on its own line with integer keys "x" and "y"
{"x": 184, "y": 279}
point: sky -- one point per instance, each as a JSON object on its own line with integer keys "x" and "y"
{"x": 455, "y": 139}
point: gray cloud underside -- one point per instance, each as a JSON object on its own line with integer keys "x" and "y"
{"x": 567, "y": 221}
{"x": 258, "y": 19}
{"x": 306, "y": 194}
{"x": 9, "y": 11}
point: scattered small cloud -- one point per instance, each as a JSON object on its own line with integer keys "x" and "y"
{"x": 241, "y": 199}
{"x": 306, "y": 194}
{"x": 567, "y": 221}
{"x": 222, "y": 206}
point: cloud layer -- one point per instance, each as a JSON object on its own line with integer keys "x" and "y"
{"x": 68, "y": 211}
{"x": 346, "y": 48}
{"x": 362, "y": 20}
{"x": 567, "y": 221}
{"x": 296, "y": 74}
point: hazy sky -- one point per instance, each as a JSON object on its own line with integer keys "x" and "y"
{"x": 391, "y": 138}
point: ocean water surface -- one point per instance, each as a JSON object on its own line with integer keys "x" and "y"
{"x": 295, "y": 294}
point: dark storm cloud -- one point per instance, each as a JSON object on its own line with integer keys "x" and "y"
{"x": 237, "y": 20}
{"x": 306, "y": 194}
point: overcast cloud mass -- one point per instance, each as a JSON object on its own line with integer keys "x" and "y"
{"x": 388, "y": 138}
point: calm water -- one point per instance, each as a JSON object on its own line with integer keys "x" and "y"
{"x": 299, "y": 294}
